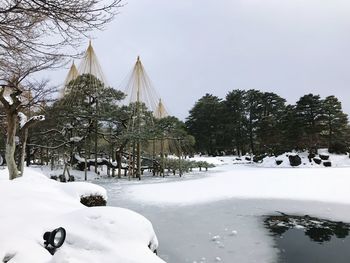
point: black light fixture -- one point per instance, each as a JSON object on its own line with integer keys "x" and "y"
{"x": 54, "y": 239}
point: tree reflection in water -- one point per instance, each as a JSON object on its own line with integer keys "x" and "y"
{"x": 318, "y": 230}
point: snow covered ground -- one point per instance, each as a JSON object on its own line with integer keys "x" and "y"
{"x": 34, "y": 204}
{"x": 218, "y": 216}
{"x": 213, "y": 216}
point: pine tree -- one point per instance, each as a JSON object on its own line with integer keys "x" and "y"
{"x": 205, "y": 124}
{"x": 309, "y": 114}
{"x": 254, "y": 111}
{"x": 268, "y": 129}
{"x": 235, "y": 121}
{"x": 336, "y": 122}
{"x": 86, "y": 111}
{"x": 289, "y": 129}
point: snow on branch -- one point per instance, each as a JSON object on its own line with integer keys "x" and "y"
{"x": 22, "y": 119}
{"x": 24, "y": 123}
{"x": 76, "y": 139}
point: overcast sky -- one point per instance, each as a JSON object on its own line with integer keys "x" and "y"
{"x": 193, "y": 47}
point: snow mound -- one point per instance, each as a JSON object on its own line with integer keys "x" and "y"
{"x": 34, "y": 204}
{"x": 319, "y": 161}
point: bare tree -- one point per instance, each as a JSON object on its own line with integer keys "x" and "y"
{"x": 24, "y": 23}
{"x": 16, "y": 102}
{"x": 36, "y": 35}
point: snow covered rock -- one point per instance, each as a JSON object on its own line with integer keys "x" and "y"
{"x": 327, "y": 164}
{"x": 278, "y": 162}
{"x": 317, "y": 160}
{"x": 324, "y": 157}
{"x": 294, "y": 160}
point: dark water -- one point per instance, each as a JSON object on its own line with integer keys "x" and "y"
{"x": 310, "y": 240}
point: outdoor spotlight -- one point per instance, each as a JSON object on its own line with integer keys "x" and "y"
{"x": 54, "y": 239}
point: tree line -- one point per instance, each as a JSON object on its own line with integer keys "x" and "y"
{"x": 89, "y": 126}
{"x": 255, "y": 122}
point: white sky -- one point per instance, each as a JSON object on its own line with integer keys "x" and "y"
{"x": 193, "y": 47}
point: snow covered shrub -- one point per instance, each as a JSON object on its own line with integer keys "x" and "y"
{"x": 54, "y": 177}
{"x": 324, "y": 157}
{"x": 200, "y": 164}
{"x": 294, "y": 160}
{"x": 327, "y": 164}
{"x": 93, "y": 200}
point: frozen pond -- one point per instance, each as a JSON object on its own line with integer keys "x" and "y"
{"x": 231, "y": 230}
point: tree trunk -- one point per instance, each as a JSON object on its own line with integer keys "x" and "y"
{"x": 133, "y": 160}
{"x": 42, "y": 156}
{"x": 23, "y": 151}
{"x": 11, "y": 146}
{"x": 119, "y": 163}
{"x": 138, "y": 159}
{"x": 96, "y": 138}
{"x": 28, "y": 153}
{"x": 251, "y": 140}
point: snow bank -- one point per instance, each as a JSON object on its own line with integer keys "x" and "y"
{"x": 336, "y": 160}
{"x": 222, "y": 160}
{"x": 250, "y": 182}
{"x": 33, "y": 204}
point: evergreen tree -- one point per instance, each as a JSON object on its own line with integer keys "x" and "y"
{"x": 310, "y": 116}
{"x": 289, "y": 129}
{"x": 336, "y": 122}
{"x": 235, "y": 123}
{"x": 80, "y": 119}
{"x": 174, "y": 131}
{"x": 254, "y": 111}
{"x": 205, "y": 124}
{"x": 269, "y": 126}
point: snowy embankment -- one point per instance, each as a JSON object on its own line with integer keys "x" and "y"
{"x": 249, "y": 182}
{"x": 318, "y": 161}
{"x": 33, "y": 204}
{"x": 223, "y": 160}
